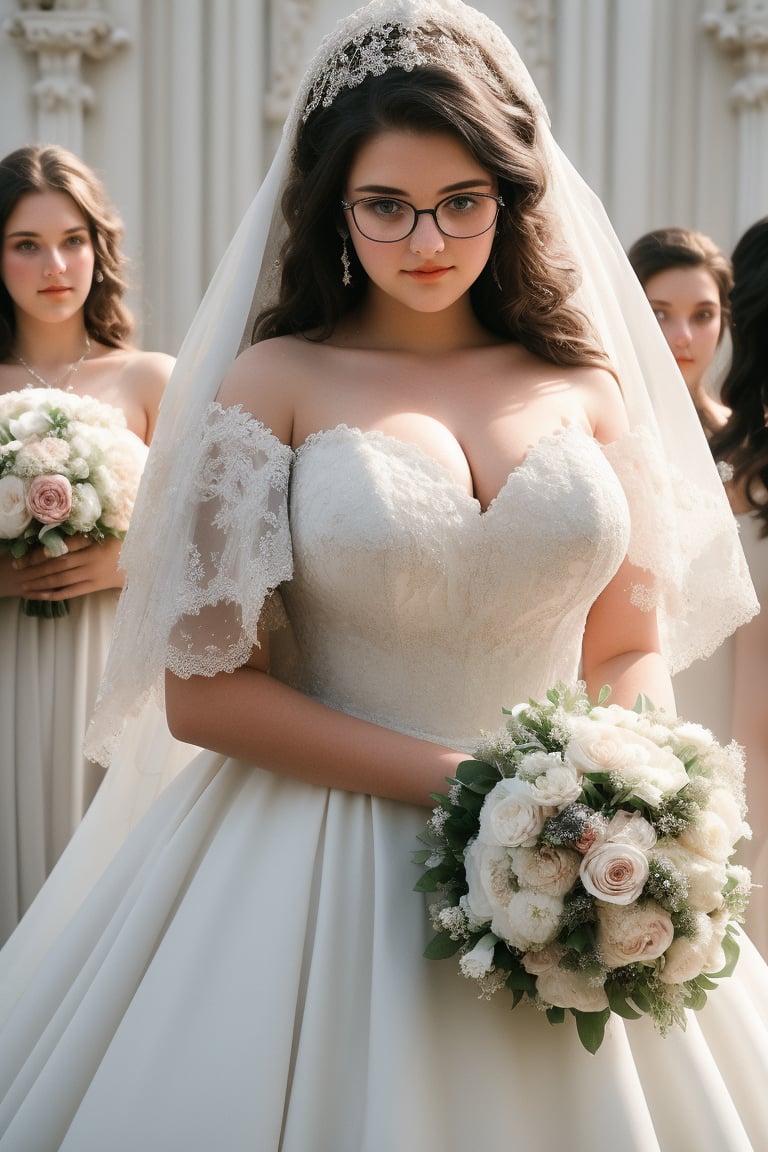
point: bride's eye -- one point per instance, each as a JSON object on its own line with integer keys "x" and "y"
{"x": 388, "y": 208}
{"x": 461, "y": 204}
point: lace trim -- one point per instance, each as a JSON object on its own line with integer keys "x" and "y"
{"x": 208, "y": 603}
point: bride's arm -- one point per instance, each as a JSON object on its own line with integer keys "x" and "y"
{"x": 621, "y": 646}
{"x": 249, "y": 715}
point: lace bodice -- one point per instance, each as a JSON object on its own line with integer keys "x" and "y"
{"x": 413, "y": 607}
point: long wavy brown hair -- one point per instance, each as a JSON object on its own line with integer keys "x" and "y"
{"x": 743, "y": 441}
{"x": 523, "y": 294}
{"x": 49, "y": 168}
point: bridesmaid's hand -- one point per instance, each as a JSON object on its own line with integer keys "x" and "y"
{"x": 87, "y": 566}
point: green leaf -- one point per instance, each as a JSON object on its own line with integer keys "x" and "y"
{"x": 618, "y": 1003}
{"x": 731, "y": 949}
{"x": 643, "y": 704}
{"x": 582, "y": 939}
{"x": 434, "y": 877}
{"x": 521, "y": 980}
{"x": 442, "y": 946}
{"x": 555, "y": 1015}
{"x": 591, "y": 1027}
{"x": 604, "y": 693}
{"x": 421, "y": 855}
{"x": 477, "y": 776}
{"x": 696, "y": 997}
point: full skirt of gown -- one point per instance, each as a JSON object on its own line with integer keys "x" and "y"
{"x": 248, "y": 971}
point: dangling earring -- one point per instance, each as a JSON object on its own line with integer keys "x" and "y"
{"x": 98, "y": 276}
{"x": 346, "y": 278}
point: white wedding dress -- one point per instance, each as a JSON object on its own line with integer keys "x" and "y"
{"x": 248, "y": 973}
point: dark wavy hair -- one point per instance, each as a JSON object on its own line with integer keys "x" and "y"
{"x": 536, "y": 275}
{"x": 743, "y": 441}
{"x": 49, "y": 168}
{"x": 666, "y": 248}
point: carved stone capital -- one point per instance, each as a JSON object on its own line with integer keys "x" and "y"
{"x": 87, "y": 31}
{"x": 741, "y": 30}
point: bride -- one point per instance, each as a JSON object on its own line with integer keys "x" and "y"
{"x": 432, "y": 484}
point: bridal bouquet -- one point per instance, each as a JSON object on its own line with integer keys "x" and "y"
{"x": 583, "y": 861}
{"x": 68, "y": 464}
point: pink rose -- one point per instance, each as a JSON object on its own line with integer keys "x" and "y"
{"x": 615, "y": 872}
{"x": 50, "y": 499}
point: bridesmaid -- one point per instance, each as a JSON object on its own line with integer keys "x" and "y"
{"x": 687, "y": 280}
{"x": 63, "y": 324}
{"x": 743, "y": 442}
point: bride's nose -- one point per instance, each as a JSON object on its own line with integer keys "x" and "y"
{"x": 426, "y": 236}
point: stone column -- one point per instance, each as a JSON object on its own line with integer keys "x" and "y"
{"x": 61, "y": 35}
{"x": 741, "y": 30}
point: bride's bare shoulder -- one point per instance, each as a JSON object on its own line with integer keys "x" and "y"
{"x": 266, "y": 380}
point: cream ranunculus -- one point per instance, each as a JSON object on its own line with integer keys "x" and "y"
{"x": 489, "y": 878}
{"x": 614, "y": 871}
{"x": 15, "y": 516}
{"x": 565, "y": 989}
{"x": 686, "y": 956}
{"x": 705, "y": 878}
{"x": 634, "y": 934}
{"x": 550, "y": 869}
{"x": 511, "y": 816}
{"x": 530, "y": 919}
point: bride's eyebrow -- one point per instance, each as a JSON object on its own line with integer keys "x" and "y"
{"x": 384, "y": 190}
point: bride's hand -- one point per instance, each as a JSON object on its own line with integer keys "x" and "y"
{"x": 87, "y": 566}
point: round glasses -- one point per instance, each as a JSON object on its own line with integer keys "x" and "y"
{"x": 461, "y": 216}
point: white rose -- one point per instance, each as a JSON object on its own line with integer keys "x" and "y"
{"x": 648, "y": 770}
{"x": 552, "y": 782}
{"x": 614, "y": 871}
{"x": 30, "y": 425}
{"x": 686, "y": 956}
{"x": 634, "y": 934}
{"x": 615, "y": 715}
{"x": 86, "y": 507}
{"x": 14, "y": 513}
{"x": 530, "y": 919}
{"x": 724, "y": 804}
{"x": 510, "y": 816}
{"x": 479, "y": 960}
{"x": 631, "y": 828}
{"x": 550, "y": 869}
{"x": 489, "y": 878}
{"x": 705, "y": 878}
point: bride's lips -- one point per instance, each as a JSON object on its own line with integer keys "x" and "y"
{"x": 55, "y": 290}
{"x": 428, "y": 271}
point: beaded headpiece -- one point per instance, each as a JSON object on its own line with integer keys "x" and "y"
{"x": 409, "y": 33}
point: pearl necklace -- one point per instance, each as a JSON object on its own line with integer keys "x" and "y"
{"x": 68, "y": 372}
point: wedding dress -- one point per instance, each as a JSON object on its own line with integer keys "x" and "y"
{"x": 248, "y": 973}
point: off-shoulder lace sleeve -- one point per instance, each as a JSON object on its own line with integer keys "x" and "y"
{"x": 194, "y": 599}
{"x": 684, "y": 538}
{"x": 239, "y": 551}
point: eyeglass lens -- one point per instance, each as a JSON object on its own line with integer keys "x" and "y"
{"x": 461, "y": 216}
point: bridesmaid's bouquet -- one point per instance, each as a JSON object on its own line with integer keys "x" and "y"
{"x": 68, "y": 464}
{"x": 582, "y": 860}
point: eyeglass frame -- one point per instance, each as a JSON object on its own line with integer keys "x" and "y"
{"x": 423, "y": 212}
